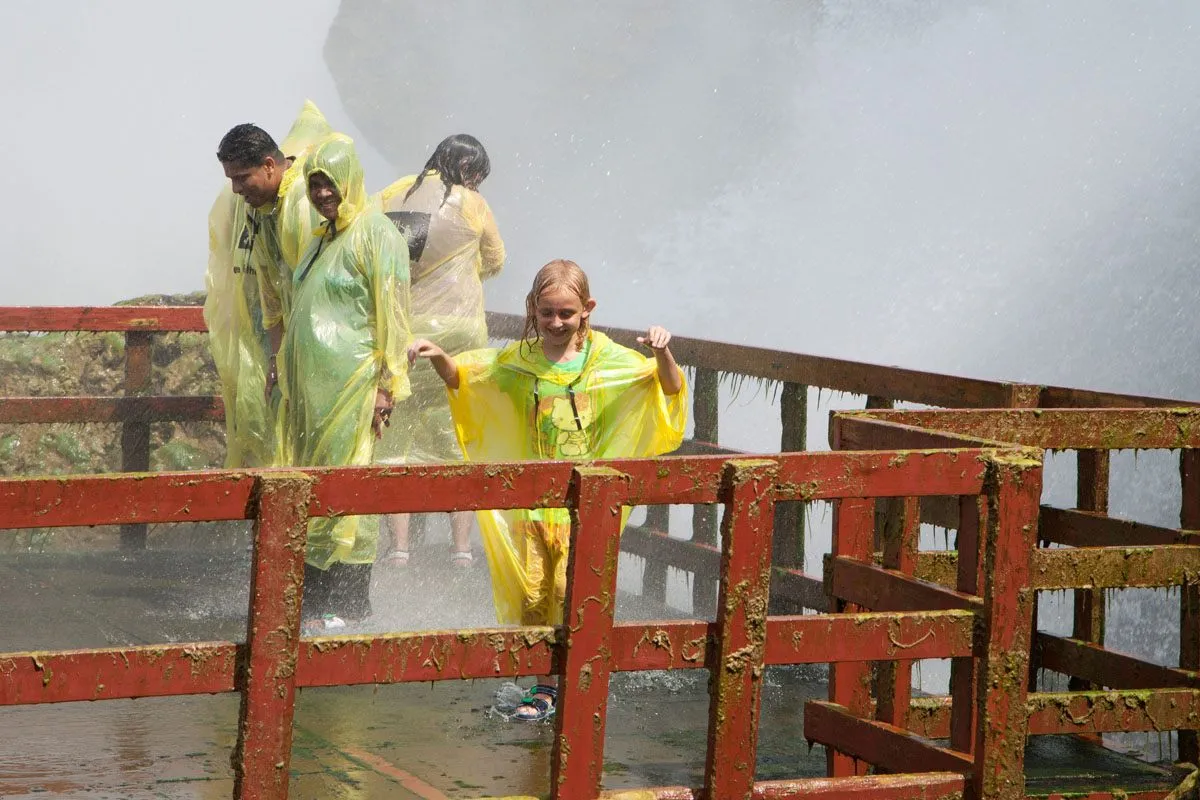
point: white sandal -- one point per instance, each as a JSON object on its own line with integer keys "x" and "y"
{"x": 323, "y": 624}
{"x": 396, "y": 558}
{"x": 462, "y": 558}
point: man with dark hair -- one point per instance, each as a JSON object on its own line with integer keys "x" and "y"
{"x": 253, "y": 163}
{"x": 258, "y": 228}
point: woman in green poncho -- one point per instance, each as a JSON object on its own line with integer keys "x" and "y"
{"x": 562, "y": 392}
{"x": 342, "y": 366}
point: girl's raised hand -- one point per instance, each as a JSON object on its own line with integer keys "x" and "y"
{"x": 423, "y": 348}
{"x": 656, "y": 338}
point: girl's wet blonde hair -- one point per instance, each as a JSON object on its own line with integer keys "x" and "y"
{"x": 558, "y": 274}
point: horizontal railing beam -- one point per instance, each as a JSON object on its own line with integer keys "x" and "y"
{"x": 102, "y": 318}
{"x": 806, "y": 591}
{"x": 1114, "y": 567}
{"x": 1105, "y": 712}
{"x": 223, "y": 495}
{"x": 210, "y": 667}
{"x": 871, "y": 636}
{"x": 850, "y": 432}
{"x": 1091, "y": 529}
{"x": 162, "y": 408}
{"x": 906, "y": 474}
{"x": 1058, "y": 429}
{"x": 840, "y": 375}
{"x": 885, "y": 746}
{"x": 929, "y": 716}
{"x": 921, "y": 786}
{"x": 118, "y": 673}
{"x": 1102, "y": 667}
{"x": 882, "y": 589}
{"x": 831, "y": 373}
{"x": 681, "y": 554}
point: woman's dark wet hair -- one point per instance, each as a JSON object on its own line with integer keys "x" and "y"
{"x": 460, "y": 160}
{"x": 247, "y": 145}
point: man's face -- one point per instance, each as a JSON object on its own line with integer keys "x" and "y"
{"x": 256, "y": 184}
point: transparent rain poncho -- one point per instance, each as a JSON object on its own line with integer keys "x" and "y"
{"x": 453, "y": 247}
{"x": 251, "y": 253}
{"x": 514, "y": 404}
{"x": 346, "y": 337}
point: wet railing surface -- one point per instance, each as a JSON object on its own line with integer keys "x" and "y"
{"x": 886, "y": 604}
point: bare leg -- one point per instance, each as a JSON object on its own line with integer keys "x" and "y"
{"x": 398, "y": 526}
{"x": 460, "y": 531}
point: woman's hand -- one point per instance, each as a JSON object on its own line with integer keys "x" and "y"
{"x": 656, "y": 338}
{"x": 383, "y": 412}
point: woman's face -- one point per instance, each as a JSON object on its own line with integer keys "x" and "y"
{"x": 324, "y": 195}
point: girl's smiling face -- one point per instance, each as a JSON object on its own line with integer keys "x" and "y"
{"x": 560, "y": 313}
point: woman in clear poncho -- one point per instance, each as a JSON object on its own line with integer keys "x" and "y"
{"x": 255, "y": 241}
{"x": 562, "y": 391}
{"x": 453, "y": 246}
{"x": 342, "y": 366}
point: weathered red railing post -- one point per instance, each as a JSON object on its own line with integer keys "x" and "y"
{"x": 893, "y": 679}
{"x": 1189, "y": 594}
{"x": 135, "y": 434}
{"x": 748, "y": 488}
{"x": 268, "y": 684}
{"x": 789, "y": 517}
{"x": 654, "y": 574}
{"x": 705, "y": 418}
{"x": 577, "y": 757}
{"x": 850, "y": 682}
{"x": 972, "y": 522}
{"x": 1014, "y": 490}
{"x": 1091, "y": 495}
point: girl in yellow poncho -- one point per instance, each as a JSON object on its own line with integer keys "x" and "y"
{"x": 561, "y": 392}
{"x": 453, "y": 246}
{"x": 342, "y": 366}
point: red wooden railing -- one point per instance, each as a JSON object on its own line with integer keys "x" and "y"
{"x": 274, "y": 661}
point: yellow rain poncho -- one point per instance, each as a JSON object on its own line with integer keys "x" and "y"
{"x": 609, "y": 404}
{"x": 251, "y": 253}
{"x": 453, "y": 246}
{"x": 346, "y": 337}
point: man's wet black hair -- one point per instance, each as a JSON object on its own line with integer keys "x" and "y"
{"x": 247, "y": 145}
{"x": 459, "y": 160}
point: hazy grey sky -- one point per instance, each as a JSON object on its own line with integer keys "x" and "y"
{"x": 1005, "y": 188}
{"x": 113, "y": 112}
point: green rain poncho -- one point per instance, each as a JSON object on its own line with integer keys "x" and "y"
{"x": 251, "y": 253}
{"x": 453, "y": 246}
{"x": 609, "y": 405}
{"x": 346, "y": 337}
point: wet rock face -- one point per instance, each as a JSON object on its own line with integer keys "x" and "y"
{"x": 73, "y": 364}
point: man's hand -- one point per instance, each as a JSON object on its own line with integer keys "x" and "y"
{"x": 272, "y": 380}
